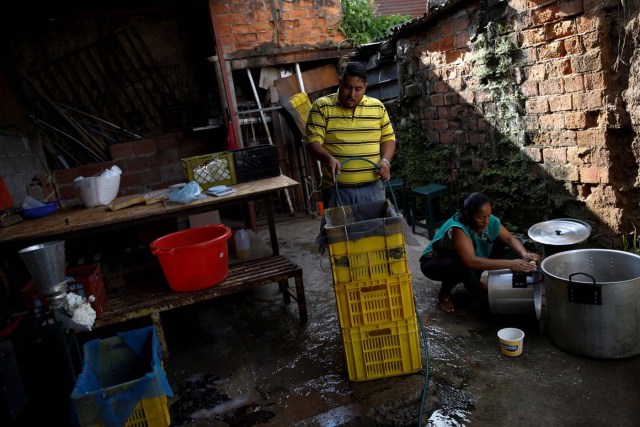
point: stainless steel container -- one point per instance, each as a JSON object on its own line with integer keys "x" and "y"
{"x": 559, "y": 235}
{"x": 47, "y": 265}
{"x": 593, "y": 302}
{"x": 515, "y": 293}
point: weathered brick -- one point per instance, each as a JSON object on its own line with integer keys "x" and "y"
{"x": 591, "y": 138}
{"x": 537, "y": 105}
{"x": 536, "y": 72}
{"x": 572, "y": 45}
{"x": 437, "y": 99}
{"x": 552, "y": 121}
{"x": 573, "y": 83}
{"x": 146, "y": 147}
{"x": 555, "y": 155}
{"x": 559, "y": 68}
{"x": 441, "y": 125}
{"x": 444, "y": 113}
{"x": 559, "y": 29}
{"x": 545, "y": 14}
{"x": 551, "y": 50}
{"x": 529, "y": 89}
{"x": 461, "y": 40}
{"x": 532, "y": 37}
{"x": 454, "y": 124}
{"x": 446, "y": 28}
{"x": 467, "y": 96}
{"x": 594, "y": 175}
{"x": 447, "y": 43}
{"x": 588, "y": 22}
{"x": 570, "y": 8}
{"x": 589, "y": 62}
{"x": 591, "y": 41}
{"x": 576, "y": 120}
{"x": 428, "y": 113}
{"x": 451, "y": 98}
{"x": 601, "y": 157}
{"x": 533, "y": 153}
{"x": 460, "y": 24}
{"x": 560, "y": 103}
{"x": 123, "y": 150}
{"x": 562, "y": 137}
{"x": 454, "y": 55}
{"x": 594, "y": 81}
{"x": 589, "y": 100}
{"x": 447, "y": 138}
{"x": 578, "y": 155}
{"x": 551, "y": 87}
{"x": 477, "y": 138}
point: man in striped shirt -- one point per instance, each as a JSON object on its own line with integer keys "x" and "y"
{"x": 352, "y": 137}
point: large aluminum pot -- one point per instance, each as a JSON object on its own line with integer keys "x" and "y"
{"x": 593, "y": 302}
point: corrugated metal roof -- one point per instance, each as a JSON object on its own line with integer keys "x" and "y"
{"x": 413, "y": 8}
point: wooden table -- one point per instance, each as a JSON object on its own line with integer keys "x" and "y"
{"x": 69, "y": 223}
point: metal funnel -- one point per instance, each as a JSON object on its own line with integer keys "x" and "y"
{"x": 46, "y": 263}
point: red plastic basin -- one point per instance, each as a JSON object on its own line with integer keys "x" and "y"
{"x": 194, "y": 259}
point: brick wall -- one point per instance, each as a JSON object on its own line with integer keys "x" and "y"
{"x": 253, "y": 24}
{"x": 574, "y": 126}
{"x": 147, "y": 164}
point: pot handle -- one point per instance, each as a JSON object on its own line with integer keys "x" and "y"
{"x": 584, "y": 293}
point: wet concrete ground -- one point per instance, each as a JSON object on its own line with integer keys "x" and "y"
{"x": 245, "y": 360}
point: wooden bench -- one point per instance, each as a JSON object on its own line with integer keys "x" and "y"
{"x": 150, "y": 299}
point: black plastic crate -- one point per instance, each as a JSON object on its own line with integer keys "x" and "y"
{"x": 256, "y": 162}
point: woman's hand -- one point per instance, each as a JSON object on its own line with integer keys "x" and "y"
{"x": 521, "y": 266}
{"x": 531, "y": 257}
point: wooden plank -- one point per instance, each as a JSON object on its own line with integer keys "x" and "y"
{"x": 320, "y": 78}
{"x": 144, "y": 299}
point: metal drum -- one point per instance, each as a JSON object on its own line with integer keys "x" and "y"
{"x": 515, "y": 293}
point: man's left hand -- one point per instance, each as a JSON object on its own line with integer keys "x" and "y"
{"x": 384, "y": 170}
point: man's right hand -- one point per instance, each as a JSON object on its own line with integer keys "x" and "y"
{"x": 334, "y": 167}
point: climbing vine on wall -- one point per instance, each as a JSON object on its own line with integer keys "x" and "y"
{"x": 418, "y": 161}
{"x": 518, "y": 194}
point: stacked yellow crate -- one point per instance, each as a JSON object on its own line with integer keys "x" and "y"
{"x": 372, "y": 283}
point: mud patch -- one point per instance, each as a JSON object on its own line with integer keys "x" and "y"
{"x": 203, "y": 398}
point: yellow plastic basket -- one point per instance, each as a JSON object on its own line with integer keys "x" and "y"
{"x": 220, "y": 172}
{"x": 382, "y": 350}
{"x": 375, "y": 301}
{"x": 150, "y": 413}
{"x": 366, "y": 242}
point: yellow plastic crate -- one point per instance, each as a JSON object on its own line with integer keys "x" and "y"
{"x": 150, "y": 413}
{"x": 382, "y": 350}
{"x": 368, "y": 258}
{"x": 221, "y": 172}
{"x": 375, "y": 301}
{"x": 366, "y": 242}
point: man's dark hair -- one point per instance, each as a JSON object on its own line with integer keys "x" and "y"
{"x": 356, "y": 69}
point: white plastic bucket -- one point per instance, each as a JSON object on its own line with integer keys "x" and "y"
{"x": 511, "y": 341}
{"x": 97, "y": 190}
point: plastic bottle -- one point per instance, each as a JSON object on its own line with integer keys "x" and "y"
{"x": 243, "y": 244}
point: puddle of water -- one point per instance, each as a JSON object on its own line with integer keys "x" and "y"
{"x": 448, "y": 418}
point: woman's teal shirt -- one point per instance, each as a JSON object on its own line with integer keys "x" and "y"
{"x": 482, "y": 244}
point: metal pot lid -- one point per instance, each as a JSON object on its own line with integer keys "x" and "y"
{"x": 560, "y": 232}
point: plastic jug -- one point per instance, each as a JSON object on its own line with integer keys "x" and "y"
{"x": 243, "y": 244}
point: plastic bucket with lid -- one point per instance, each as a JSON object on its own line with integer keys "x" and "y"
{"x": 194, "y": 259}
